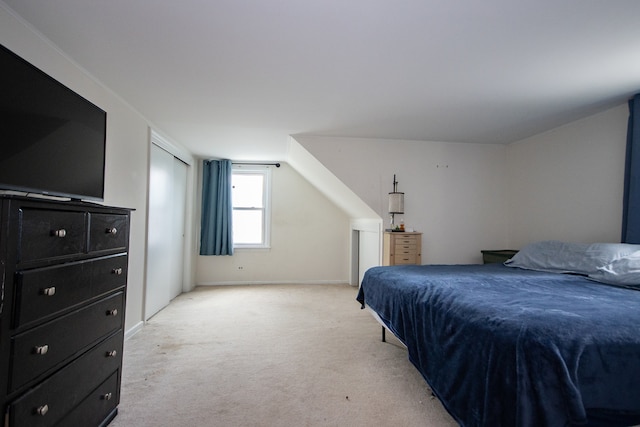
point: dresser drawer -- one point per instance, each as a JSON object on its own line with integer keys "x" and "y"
{"x": 406, "y": 248}
{"x": 43, "y": 292}
{"x": 98, "y": 407}
{"x": 108, "y": 232}
{"x": 91, "y": 377}
{"x": 50, "y": 234}
{"x": 41, "y": 348}
{"x": 406, "y": 240}
{"x": 401, "y": 259}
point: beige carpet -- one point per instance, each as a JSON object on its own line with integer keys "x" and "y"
{"x": 286, "y": 355}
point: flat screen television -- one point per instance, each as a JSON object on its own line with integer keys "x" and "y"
{"x": 52, "y": 140}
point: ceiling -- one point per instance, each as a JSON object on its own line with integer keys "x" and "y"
{"x": 248, "y": 73}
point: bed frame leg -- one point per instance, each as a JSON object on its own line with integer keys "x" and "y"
{"x": 384, "y": 334}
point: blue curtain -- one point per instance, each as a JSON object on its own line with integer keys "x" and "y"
{"x": 216, "y": 237}
{"x": 631, "y": 201}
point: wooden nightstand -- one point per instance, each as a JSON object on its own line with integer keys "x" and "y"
{"x": 402, "y": 248}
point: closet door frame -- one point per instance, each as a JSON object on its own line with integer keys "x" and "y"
{"x": 154, "y": 302}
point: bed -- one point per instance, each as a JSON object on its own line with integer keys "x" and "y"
{"x": 552, "y": 338}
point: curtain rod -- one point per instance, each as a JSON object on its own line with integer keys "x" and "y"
{"x": 259, "y": 164}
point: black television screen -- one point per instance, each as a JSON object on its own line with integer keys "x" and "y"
{"x": 52, "y": 140}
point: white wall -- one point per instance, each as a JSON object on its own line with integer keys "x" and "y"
{"x": 454, "y": 192}
{"x": 567, "y": 183}
{"x": 365, "y": 246}
{"x": 127, "y": 143}
{"x": 309, "y": 241}
{"x": 563, "y": 184}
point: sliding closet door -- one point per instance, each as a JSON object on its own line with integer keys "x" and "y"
{"x": 165, "y": 239}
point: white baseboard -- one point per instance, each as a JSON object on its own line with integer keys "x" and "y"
{"x": 131, "y": 332}
{"x": 279, "y": 282}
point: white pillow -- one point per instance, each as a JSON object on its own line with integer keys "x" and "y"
{"x": 623, "y": 271}
{"x": 566, "y": 257}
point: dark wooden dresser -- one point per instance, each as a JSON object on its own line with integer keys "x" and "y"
{"x": 64, "y": 277}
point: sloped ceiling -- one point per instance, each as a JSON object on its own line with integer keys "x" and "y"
{"x": 245, "y": 74}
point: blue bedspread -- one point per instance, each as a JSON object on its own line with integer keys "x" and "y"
{"x": 510, "y": 347}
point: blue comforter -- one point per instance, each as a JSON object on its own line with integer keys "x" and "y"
{"x": 510, "y": 347}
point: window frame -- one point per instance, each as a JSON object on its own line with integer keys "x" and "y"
{"x": 265, "y": 171}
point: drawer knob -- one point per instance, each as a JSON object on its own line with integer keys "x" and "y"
{"x": 112, "y": 230}
{"x": 41, "y": 349}
{"x": 107, "y": 396}
{"x": 112, "y": 312}
{"x": 42, "y": 410}
{"x": 112, "y": 353}
{"x": 117, "y": 271}
{"x": 59, "y": 233}
{"x": 50, "y": 291}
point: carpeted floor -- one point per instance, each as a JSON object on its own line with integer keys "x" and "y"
{"x": 270, "y": 355}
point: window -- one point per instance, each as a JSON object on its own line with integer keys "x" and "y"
{"x": 250, "y": 191}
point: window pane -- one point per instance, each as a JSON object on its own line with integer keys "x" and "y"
{"x": 247, "y": 227}
{"x": 247, "y": 190}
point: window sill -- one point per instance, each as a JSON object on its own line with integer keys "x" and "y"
{"x": 251, "y": 248}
